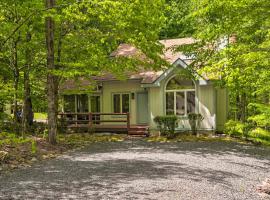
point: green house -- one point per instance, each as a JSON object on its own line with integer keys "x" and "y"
{"x": 147, "y": 94}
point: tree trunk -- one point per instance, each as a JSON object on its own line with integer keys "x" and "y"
{"x": 15, "y": 98}
{"x": 16, "y": 75}
{"x": 57, "y": 66}
{"x": 27, "y": 118}
{"x": 52, "y": 86}
{"x": 243, "y": 107}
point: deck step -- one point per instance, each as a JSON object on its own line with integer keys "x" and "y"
{"x": 138, "y": 129}
{"x": 138, "y": 133}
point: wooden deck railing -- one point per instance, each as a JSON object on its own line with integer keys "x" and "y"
{"x": 93, "y": 119}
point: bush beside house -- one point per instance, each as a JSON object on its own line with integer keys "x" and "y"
{"x": 166, "y": 125}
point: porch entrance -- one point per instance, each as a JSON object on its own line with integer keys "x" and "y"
{"x": 142, "y": 108}
{"x": 82, "y": 103}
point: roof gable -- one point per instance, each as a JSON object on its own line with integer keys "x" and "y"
{"x": 179, "y": 63}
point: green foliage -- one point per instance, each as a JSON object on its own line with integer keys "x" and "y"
{"x": 232, "y": 48}
{"x": 8, "y": 125}
{"x": 24, "y": 17}
{"x": 178, "y": 23}
{"x": 38, "y": 128}
{"x": 85, "y": 35}
{"x": 194, "y": 121}
{"x": 4, "y": 117}
{"x": 81, "y": 139}
{"x": 12, "y": 139}
{"x": 34, "y": 147}
{"x": 166, "y": 125}
{"x": 234, "y": 128}
{"x": 62, "y": 124}
{"x": 259, "y": 115}
{"x": 247, "y": 131}
{"x": 259, "y": 133}
{"x": 100, "y": 27}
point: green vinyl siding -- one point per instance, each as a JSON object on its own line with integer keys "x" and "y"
{"x": 120, "y": 87}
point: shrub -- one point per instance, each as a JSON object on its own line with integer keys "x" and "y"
{"x": 234, "y": 128}
{"x": 38, "y": 128}
{"x": 259, "y": 115}
{"x": 194, "y": 121}
{"x": 12, "y": 138}
{"x": 4, "y": 116}
{"x": 166, "y": 125}
{"x": 260, "y": 133}
{"x": 62, "y": 125}
{"x": 10, "y": 126}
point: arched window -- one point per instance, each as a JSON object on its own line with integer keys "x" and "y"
{"x": 180, "y": 96}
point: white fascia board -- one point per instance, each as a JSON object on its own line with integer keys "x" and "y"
{"x": 203, "y": 82}
{"x": 178, "y": 63}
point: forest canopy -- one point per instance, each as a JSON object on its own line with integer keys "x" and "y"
{"x": 44, "y": 44}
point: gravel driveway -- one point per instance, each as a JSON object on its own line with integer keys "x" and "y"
{"x": 141, "y": 170}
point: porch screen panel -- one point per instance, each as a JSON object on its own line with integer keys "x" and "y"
{"x": 169, "y": 103}
{"x": 125, "y": 103}
{"x": 95, "y": 104}
{"x": 69, "y": 103}
{"x": 180, "y": 103}
{"x": 190, "y": 102}
{"x": 82, "y": 103}
{"x": 116, "y": 103}
{"x": 95, "y": 108}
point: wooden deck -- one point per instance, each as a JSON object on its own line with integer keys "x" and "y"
{"x": 94, "y": 122}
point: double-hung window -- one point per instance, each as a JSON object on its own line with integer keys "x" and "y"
{"x": 121, "y": 103}
{"x": 180, "y": 96}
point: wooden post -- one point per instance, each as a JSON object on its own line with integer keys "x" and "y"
{"x": 76, "y": 118}
{"x": 128, "y": 122}
{"x": 90, "y": 120}
{"x": 76, "y": 110}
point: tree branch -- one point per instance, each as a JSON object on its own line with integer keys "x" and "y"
{"x": 30, "y": 16}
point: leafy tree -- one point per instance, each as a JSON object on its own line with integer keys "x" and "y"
{"x": 80, "y": 37}
{"x": 178, "y": 22}
{"x": 20, "y": 45}
{"x": 233, "y": 42}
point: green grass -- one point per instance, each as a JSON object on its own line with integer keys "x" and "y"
{"x": 12, "y": 139}
{"x": 40, "y": 116}
{"x": 260, "y": 135}
{"x": 77, "y": 139}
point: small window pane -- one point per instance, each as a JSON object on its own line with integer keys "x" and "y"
{"x": 169, "y": 103}
{"x": 180, "y": 103}
{"x": 191, "y": 102}
{"x": 116, "y": 103}
{"x": 125, "y": 103}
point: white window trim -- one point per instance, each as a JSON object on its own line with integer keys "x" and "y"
{"x": 174, "y": 96}
{"x": 121, "y": 100}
